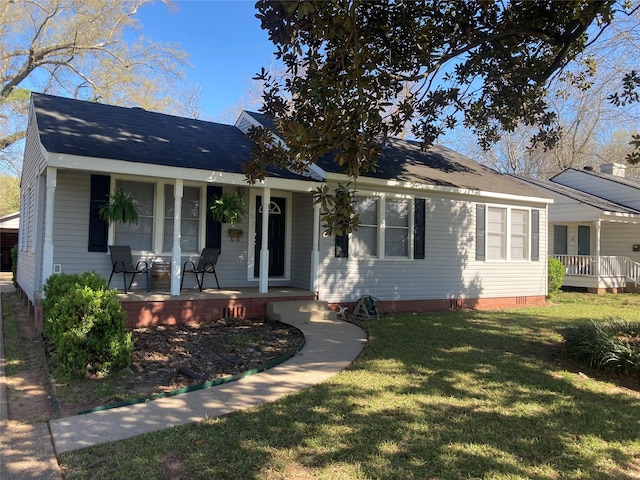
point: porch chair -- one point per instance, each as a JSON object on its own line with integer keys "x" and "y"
{"x": 206, "y": 264}
{"x": 121, "y": 262}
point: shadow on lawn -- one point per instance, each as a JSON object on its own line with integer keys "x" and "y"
{"x": 436, "y": 396}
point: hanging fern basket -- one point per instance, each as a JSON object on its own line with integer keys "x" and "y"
{"x": 121, "y": 207}
{"x": 227, "y": 208}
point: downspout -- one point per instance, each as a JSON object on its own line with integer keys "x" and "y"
{"x": 176, "y": 257}
{"x": 47, "y": 251}
{"x": 263, "y": 286}
{"x": 315, "y": 250}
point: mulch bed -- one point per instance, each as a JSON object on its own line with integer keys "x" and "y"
{"x": 177, "y": 356}
{"x": 165, "y": 358}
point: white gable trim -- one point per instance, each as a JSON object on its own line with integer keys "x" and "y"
{"x": 246, "y": 121}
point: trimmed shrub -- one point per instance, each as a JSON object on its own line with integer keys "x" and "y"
{"x": 555, "y": 276}
{"x": 59, "y": 284}
{"x": 86, "y": 325}
{"x": 14, "y": 265}
{"x": 610, "y": 346}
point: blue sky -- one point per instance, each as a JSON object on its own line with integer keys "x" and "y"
{"x": 225, "y": 42}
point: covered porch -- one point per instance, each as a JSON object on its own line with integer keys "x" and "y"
{"x": 601, "y": 255}
{"x": 600, "y": 273}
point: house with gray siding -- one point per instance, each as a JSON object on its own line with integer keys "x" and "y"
{"x": 438, "y": 229}
{"x": 594, "y": 227}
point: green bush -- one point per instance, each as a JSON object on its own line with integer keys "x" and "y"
{"x": 14, "y": 265}
{"x": 611, "y": 346}
{"x": 86, "y": 325}
{"x": 555, "y": 276}
{"x": 58, "y": 285}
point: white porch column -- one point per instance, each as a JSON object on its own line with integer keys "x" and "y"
{"x": 597, "y": 266}
{"x": 315, "y": 249}
{"x": 176, "y": 257}
{"x": 47, "y": 253}
{"x": 263, "y": 286}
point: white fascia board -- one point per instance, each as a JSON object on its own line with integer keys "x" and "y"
{"x": 620, "y": 217}
{"x": 122, "y": 167}
{"x": 380, "y": 183}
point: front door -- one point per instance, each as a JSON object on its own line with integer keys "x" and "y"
{"x": 277, "y": 236}
{"x": 584, "y": 240}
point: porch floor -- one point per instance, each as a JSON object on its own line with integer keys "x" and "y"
{"x": 212, "y": 294}
{"x": 153, "y": 308}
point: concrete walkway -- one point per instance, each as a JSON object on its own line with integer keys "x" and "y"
{"x": 331, "y": 345}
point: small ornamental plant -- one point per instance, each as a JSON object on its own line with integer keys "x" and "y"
{"x": 121, "y": 207}
{"x": 227, "y": 208}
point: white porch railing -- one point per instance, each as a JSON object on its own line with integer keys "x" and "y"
{"x": 620, "y": 266}
{"x": 609, "y": 266}
{"x": 578, "y": 264}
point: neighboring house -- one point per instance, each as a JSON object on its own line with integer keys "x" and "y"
{"x": 438, "y": 229}
{"x": 9, "y": 225}
{"x": 594, "y": 227}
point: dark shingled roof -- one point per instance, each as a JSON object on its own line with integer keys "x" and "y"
{"x": 629, "y": 182}
{"x": 404, "y": 160}
{"x": 582, "y": 197}
{"x": 90, "y": 129}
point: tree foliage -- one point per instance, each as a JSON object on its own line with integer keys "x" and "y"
{"x": 88, "y": 49}
{"x": 9, "y": 194}
{"x": 482, "y": 64}
{"x": 594, "y": 129}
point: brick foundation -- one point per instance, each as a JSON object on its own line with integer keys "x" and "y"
{"x": 171, "y": 312}
{"x": 602, "y": 291}
{"x": 452, "y": 304}
{"x": 145, "y": 313}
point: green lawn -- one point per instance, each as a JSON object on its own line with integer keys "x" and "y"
{"x": 434, "y": 396}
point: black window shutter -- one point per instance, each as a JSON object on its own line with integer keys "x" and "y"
{"x": 535, "y": 235}
{"x": 98, "y": 228}
{"x": 481, "y": 211}
{"x": 213, "y": 228}
{"x": 342, "y": 246}
{"x": 419, "y": 228}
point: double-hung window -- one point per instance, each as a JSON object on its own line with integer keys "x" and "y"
{"x": 365, "y": 238}
{"x": 508, "y": 234}
{"x": 497, "y": 233}
{"x": 139, "y": 236}
{"x": 149, "y": 233}
{"x": 388, "y": 228}
{"x": 396, "y": 229}
{"x": 519, "y": 234}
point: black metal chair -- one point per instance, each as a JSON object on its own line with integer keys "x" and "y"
{"x": 121, "y": 262}
{"x": 206, "y": 264}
